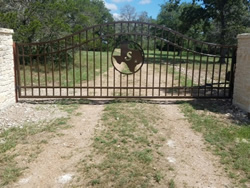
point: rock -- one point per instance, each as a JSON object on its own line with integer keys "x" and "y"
{"x": 65, "y": 178}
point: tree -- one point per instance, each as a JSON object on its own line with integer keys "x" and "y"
{"x": 223, "y": 18}
{"x": 227, "y": 18}
{"x": 194, "y": 21}
{"x": 128, "y": 13}
{"x": 212, "y": 20}
{"x": 143, "y": 17}
{"x": 169, "y": 15}
{"x": 43, "y": 20}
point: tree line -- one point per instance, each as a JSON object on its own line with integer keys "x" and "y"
{"x": 216, "y": 21}
{"x": 42, "y": 20}
{"x": 209, "y": 20}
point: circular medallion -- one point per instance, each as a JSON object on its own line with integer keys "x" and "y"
{"x": 128, "y": 57}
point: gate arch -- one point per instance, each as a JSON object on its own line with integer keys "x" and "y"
{"x": 100, "y": 62}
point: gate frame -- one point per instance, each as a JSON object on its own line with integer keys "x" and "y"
{"x": 163, "y": 28}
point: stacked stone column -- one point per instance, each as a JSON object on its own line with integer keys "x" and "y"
{"x": 7, "y": 84}
{"x": 241, "y": 97}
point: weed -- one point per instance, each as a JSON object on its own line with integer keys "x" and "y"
{"x": 95, "y": 182}
{"x": 171, "y": 184}
{"x": 232, "y": 175}
{"x": 9, "y": 174}
{"x": 158, "y": 177}
{"x": 144, "y": 156}
{"x": 226, "y": 139}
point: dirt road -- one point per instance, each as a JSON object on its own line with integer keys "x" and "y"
{"x": 192, "y": 165}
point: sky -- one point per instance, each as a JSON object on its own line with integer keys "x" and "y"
{"x": 152, "y": 7}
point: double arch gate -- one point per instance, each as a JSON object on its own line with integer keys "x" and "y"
{"x": 124, "y": 60}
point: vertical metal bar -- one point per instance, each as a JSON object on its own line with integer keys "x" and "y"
{"x": 120, "y": 84}
{"x": 94, "y": 43}
{"x": 38, "y": 71}
{"x": 127, "y": 85}
{"x": 147, "y": 62}
{"x": 53, "y": 69}
{"x": 60, "y": 71}
{"x": 15, "y": 57}
{"x": 108, "y": 64}
{"x": 160, "y": 63}
{"x": 143, "y": 62}
{"x": 199, "y": 78}
{"x": 31, "y": 72}
{"x": 179, "y": 83}
{"x": 227, "y": 62}
{"x": 114, "y": 69}
{"x": 128, "y": 75}
{"x": 101, "y": 62}
{"x": 221, "y": 53}
{"x": 212, "y": 83}
{"x": 24, "y": 75}
{"x": 153, "y": 84}
{"x": 194, "y": 54}
{"x": 80, "y": 59}
{"x": 73, "y": 56}
{"x": 19, "y": 73}
{"x": 186, "y": 76}
{"x": 87, "y": 62}
{"x": 45, "y": 68}
{"x": 173, "y": 72}
{"x": 167, "y": 59}
{"x": 128, "y": 27}
{"x": 231, "y": 82}
{"x": 121, "y": 29}
{"x": 134, "y": 73}
{"x": 120, "y": 73}
{"x": 67, "y": 76}
{"x": 205, "y": 90}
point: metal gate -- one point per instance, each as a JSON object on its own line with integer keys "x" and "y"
{"x": 124, "y": 60}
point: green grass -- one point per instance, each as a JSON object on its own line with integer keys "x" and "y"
{"x": 158, "y": 177}
{"x": 97, "y": 64}
{"x": 173, "y": 57}
{"x": 171, "y": 184}
{"x": 127, "y": 147}
{"x": 77, "y": 72}
{"x": 10, "y": 170}
{"x": 207, "y": 65}
{"x": 30, "y": 144}
{"x": 179, "y": 75}
{"x": 230, "y": 141}
{"x": 10, "y": 174}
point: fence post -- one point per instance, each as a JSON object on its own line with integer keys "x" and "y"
{"x": 7, "y": 80}
{"x": 241, "y": 96}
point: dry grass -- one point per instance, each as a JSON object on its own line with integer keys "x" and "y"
{"x": 125, "y": 148}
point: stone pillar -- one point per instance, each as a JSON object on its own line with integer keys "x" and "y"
{"x": 241, "y": 96}
{"x": 7, "y": 83}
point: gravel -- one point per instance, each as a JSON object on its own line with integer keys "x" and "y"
{"x": 21, "y": 114}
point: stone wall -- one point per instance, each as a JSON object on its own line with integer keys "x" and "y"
{"x": 241, "y": 96}
{"x": 7, "y": 84}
